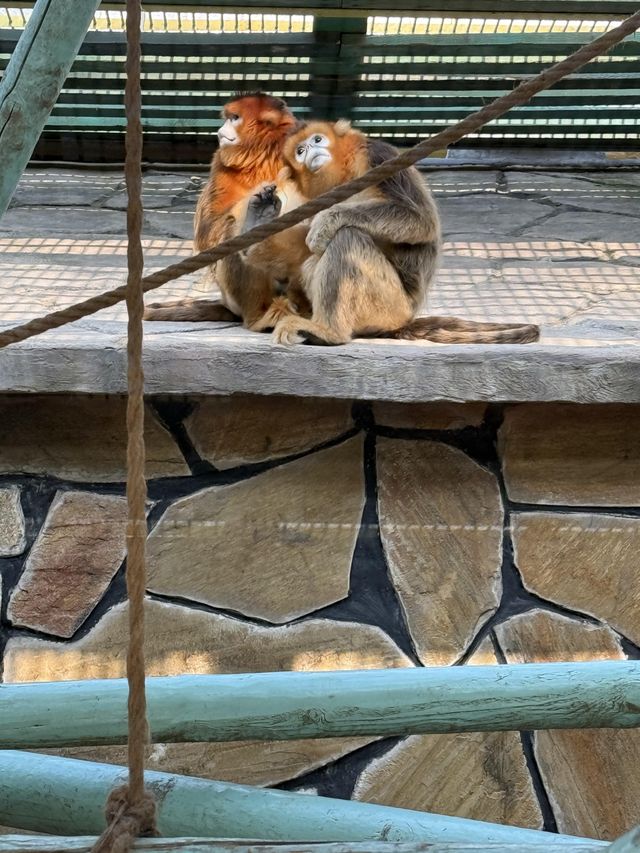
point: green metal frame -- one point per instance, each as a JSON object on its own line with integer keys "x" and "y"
{"x": 48, "y": 793}
{"x": 333, "y": 68}
{"x": 33, "y": 80}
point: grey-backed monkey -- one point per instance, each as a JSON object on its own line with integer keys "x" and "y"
{"x": 372, "y": 258}
{"x": 251, "y": 142}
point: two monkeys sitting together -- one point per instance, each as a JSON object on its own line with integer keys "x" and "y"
{"x": 362, "y": 268}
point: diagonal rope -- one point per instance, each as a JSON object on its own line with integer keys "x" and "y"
{"x": 472, "y": 123}
{"x": 130, "y": 808}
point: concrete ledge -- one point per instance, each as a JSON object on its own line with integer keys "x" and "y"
{"x": 557, "y": 249}
{"x": 90, "y": 357}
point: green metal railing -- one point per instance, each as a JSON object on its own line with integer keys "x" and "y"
{"x": 399, "y": 71}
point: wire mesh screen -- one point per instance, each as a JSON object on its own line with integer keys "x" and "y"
{"x": 399, "y": 77}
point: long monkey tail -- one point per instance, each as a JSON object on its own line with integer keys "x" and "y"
{"x": 451, "y": 330}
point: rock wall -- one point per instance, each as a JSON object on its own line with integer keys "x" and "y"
{"x": 308, "y": 534}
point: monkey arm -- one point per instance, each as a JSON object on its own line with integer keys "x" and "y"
{"x": 383, "y": 220}
{"x": 210, "y": 230}
{"x": 281, "y": 255}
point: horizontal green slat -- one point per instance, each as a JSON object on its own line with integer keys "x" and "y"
{"x": 424, "y": 112}
{"x": 71, "y": 144}
{"x": 493, "y": 87}
{"x": 297, "y": 96}
{"x": 214, "y": 44}
{"x": 562, "y": 8}
{"x": 328, "y": 66}
{"x": 486, "y": 89}
{"x": 630, "y": 130}
{"x": 517, "y": 7}
{"x": 482, "y": 42}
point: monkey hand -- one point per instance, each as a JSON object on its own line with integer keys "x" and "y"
{"x": 324, "y": 226}
{"x": 264, "y": 206}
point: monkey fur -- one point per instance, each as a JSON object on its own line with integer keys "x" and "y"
{"x": 250, "y": 153}
{"x": 371, "y": 259}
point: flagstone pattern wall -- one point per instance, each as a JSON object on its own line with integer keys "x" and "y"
{"x": 324, "y": 534}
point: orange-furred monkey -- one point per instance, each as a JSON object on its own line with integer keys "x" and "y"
{"x": 373, "y": 257}
{"x": 250, "y": 153}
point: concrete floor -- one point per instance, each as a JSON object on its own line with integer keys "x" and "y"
{"x": 559, "y": 249}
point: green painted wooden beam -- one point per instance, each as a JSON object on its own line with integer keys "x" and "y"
{"x": 45, "y": 793}
{"x": 629, "y": 843}
{"x": 290, "y": 705}
{"x": 33, "y": 79}
{"x": 56, "y": 844}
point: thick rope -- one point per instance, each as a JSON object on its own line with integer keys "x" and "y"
{"x": 472, "y": 123}
{"x": 130, "y": 808}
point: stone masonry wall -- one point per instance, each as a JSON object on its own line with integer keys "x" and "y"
{"x": 307, "y": 534}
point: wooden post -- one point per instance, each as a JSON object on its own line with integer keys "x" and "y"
{"x": 46, "y": 793}
{"x": 33, "y": 79}
{"x": 290, "y": 705}
{"x": 629, "y": 843}
{"x": 56, "y": 844}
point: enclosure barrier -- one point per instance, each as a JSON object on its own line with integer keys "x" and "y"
{"x": 291, "y": 705}
{"x": 66, "y": 796}
{"x": 397, "y": 70}
{"x": 47, "y": 792}
{"x": 18, "y": 844}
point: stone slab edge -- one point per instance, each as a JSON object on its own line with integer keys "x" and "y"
{"x": 211, "y": 361}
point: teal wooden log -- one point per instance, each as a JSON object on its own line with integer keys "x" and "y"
{"x": 56, "y": 844}
{"x": 33, "y": 79}
{"x": 46, "y": 793}
{"x": 629, "y": 843}
{"x": 289, "y": 705}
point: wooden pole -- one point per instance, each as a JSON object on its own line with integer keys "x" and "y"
{"x": 629, "y": 843}
{"x": 31, "y": 84}
{"x": 290, "y": 705}
{"x": 56, "y": 844}
{"x": 46, "y": 793}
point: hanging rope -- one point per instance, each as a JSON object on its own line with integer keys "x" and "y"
{"x": 130, "y": 809}
{"x": 472, "y": 123}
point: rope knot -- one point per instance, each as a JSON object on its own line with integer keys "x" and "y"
{"x": 127, "y": 821}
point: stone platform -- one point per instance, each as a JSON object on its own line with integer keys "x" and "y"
{"x": 558, "y": 249}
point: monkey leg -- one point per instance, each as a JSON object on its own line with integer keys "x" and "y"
{"x": 191, "y": 310}
{"x": 246, "y": 289}
{"x": 354, "y": 290}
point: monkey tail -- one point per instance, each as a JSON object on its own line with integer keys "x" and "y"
{"x": 451, "y": 330}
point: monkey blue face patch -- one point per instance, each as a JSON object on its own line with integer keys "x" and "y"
{"x": 313, "y": 152}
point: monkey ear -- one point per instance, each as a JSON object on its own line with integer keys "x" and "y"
{"x": 342, "y": 127}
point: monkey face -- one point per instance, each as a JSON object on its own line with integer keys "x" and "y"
{"x": 228, "y": 133}
{"x": 320, "y": 155}
{"x": 252, "y": 121}
{"x": 314, "y": 151}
